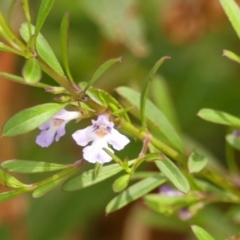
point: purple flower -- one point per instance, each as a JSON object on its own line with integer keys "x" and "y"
{"x": 169, "y": 191}
{"x": 100, "y": 133}
{"x": 55, "y": 127}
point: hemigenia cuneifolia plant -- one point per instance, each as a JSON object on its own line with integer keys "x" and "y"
{"x": 196, "y": 180}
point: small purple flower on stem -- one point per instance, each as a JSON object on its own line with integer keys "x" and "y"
{"x": 169, "y": 191}
{"x": 55, "y": 127}
{"x": 100, "y": 133}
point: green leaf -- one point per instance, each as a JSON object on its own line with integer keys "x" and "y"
{"x": 64, "y": 44}
{"x": 201, "y": 233}
{"x": 233, "y": 141}
{"x": 8, "y": 195}
{"x": 232, "y": 56}
{"x": 30, "y": 118}
{"x": 32, "y": 71}
{"x": 103, "y": 68}
{"x": 41, "y": 191}
{"x": 21, "y": 80}
{"x": 170, "y": 170}
{"x": 196, "y": 162}
{"x": 161, "y": 96}
{"x": 121, "y": 183}
{"x": 24, "y": 166}
{"x": 154, "y": 115}
{"x": 97, "y": 169}
{"x": 168, "y": 204}
{"x": 146, "y": 87}
{"x": 87, "y": 178}
{"x": 233, "y": 13}
{"x": 10, "y": 181}
{"x": 105, "y": 99}
{"x": 43, "y": 11}
{"x": 219, "y": 117}
{"x": 43, "y": 49}
{"x": 5, "y": 48}
{"x": 134, "y": 192}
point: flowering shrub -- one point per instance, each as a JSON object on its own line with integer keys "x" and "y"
{"x": 196, "y": 181}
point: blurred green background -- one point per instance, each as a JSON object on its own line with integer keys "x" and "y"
{"x": 194, "y": 34}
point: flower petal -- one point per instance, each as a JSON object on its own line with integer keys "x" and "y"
{"x": 84, "y": 136}
{"x": 46, "y": 137}
{"x": 60, "y": 132}
{"x": 94, "y": 154}
{"x": 117, "y": 140}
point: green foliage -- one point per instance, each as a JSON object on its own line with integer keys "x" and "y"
{"x": 24, "y": 166}
{"x": 135, "y": 191}
{"x": 219, "y": 117}
{"x": 196, "y": 162}
{"x": 31, "y": 118}
{"x": 32, "y": 71}
{"x": 173, "y": 174}
{"x": 201, "y": 233}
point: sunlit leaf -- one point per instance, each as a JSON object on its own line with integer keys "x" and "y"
{"x": 23, "y": 166}
{"x": 233, "y": 141}
{"x": 30, "y": 118}
{"x": 219, "y": 117}
{"x": 10, "y": 181}
{"x": 135, "y": 191}
{"x": 32, "y": 71}
{"x": 8, "y": 195}
{"x": 87, "y": 178}
{"x": 64, "y": 44}
{"x": 154, "y": 116}
{"x": 5, "y": 48}
{"x": 41, "y": 191}
{"x": 145, "y": 90}
{"x": 170, "y": 170}
{"x": 121, "y": 183}
{"x": 100, "y": 70}
{"x": 196, "y": 162}
{"x": 233, "y": 13}
{"x": 43, "y": 49}
{"x": 200, "y": 233}
{"x": 232, "y": 56}
{"x": 43, "y": 11}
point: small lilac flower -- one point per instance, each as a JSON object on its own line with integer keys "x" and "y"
{"x": 169, "y": 191}
{"x": 185, "y": 214}
{"x": 55, "y": 127}
{"x": 100, "y": 133}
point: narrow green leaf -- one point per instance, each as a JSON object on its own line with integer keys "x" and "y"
{"x": 87, "y": 178}
{"x": 103, "y": 68}
{"x": 24, "y": 166}
{"x": 43, "y": 49}
{"x": 233, "y": 141}
{"x": 154, "y": 115}
{"x": 8, "y": 195}
{"x": 64, "y": 44}
{"x": 233, "y": 13}
{"x": 41, "y": 191}
{"x": 146, "y": 87}
{"x": 30, "y": 118}
{"x": 170, "y": 170}
{"x": 5, "y": 48}
{"x": 232, "y": 56}
{"x": 219, "y": 117}
{"x": 121, "y": 183}
{"x": 97, "y": 169}
{"x": 196, "y": 162}
{"x": 161, "y": 96}
{"x": 200, "y": 233}
{"x": 10, "y": 181}
{"x": 32, "y": 71}
{"x": 135, "y": 191}
{"x": 21, "y": 80}
{"x": 43, "y": 11}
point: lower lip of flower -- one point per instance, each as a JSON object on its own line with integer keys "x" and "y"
{"x": 57, "y": 122}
